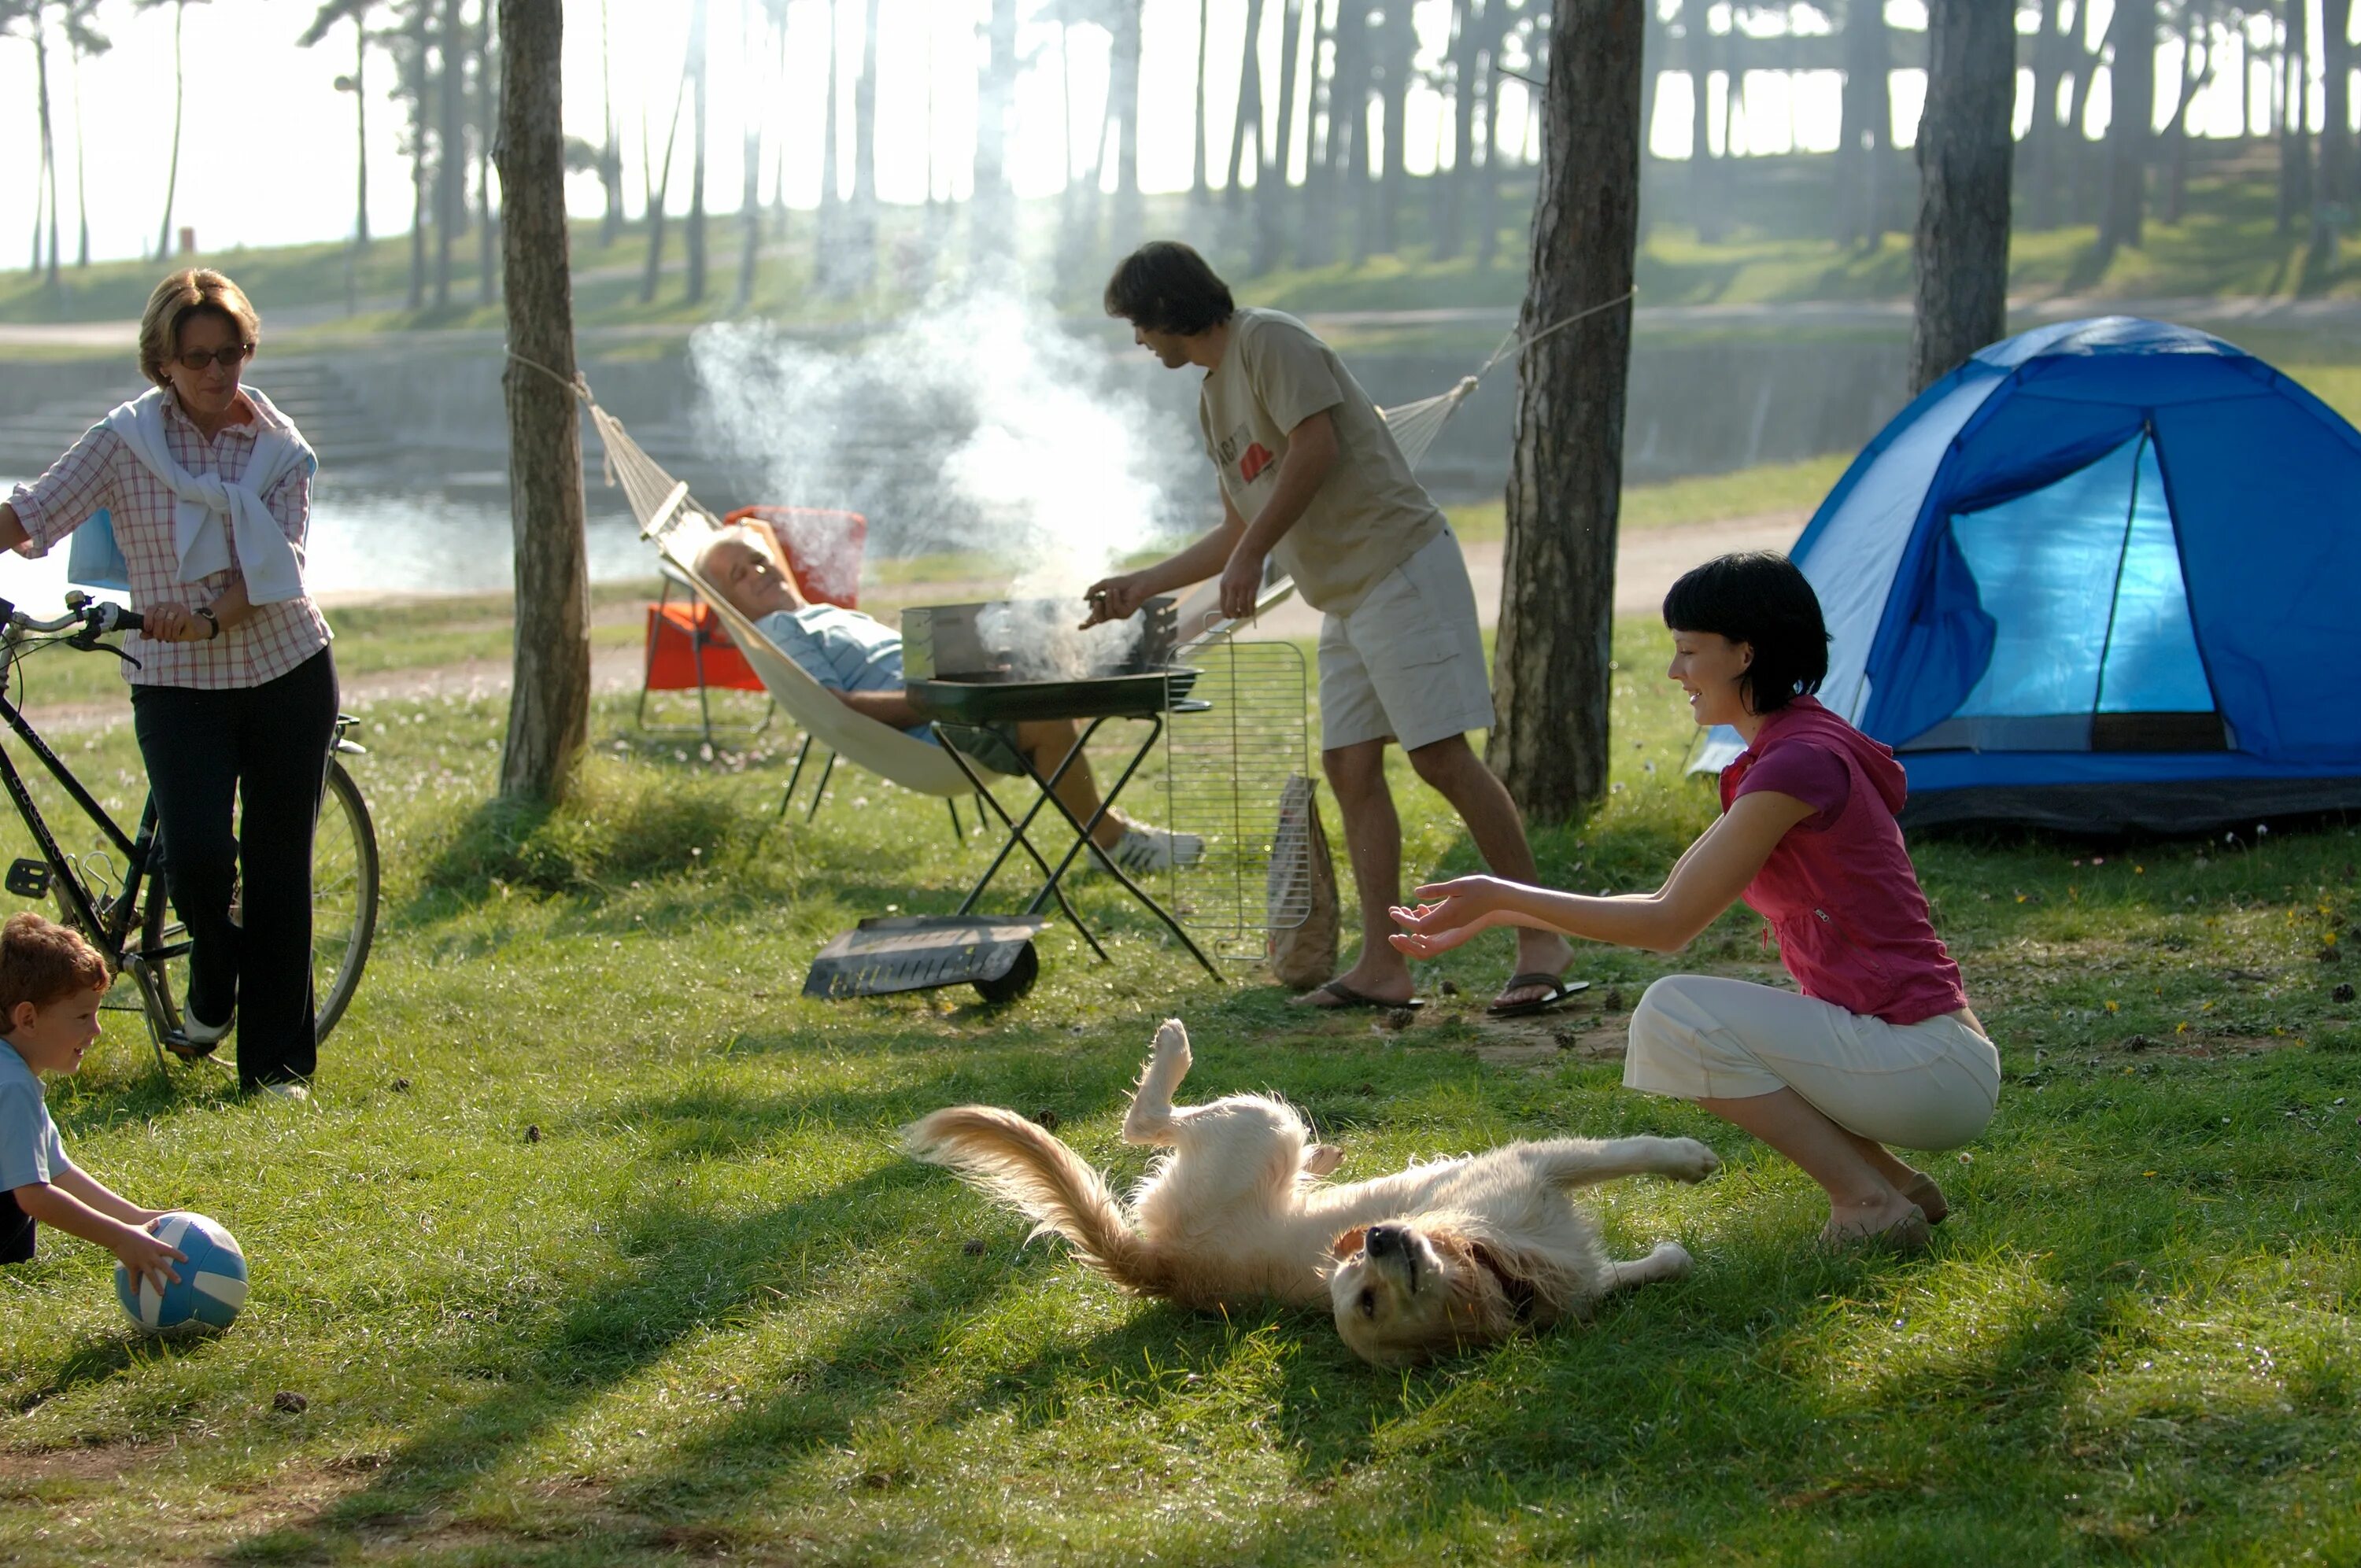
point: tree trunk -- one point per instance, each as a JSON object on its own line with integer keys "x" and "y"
{"x": 660, "y": 196}
{"x": 48, "y": 140}
{"x": 81, "y": 188}
{"x": 701, "y": 53}
{"x": 996, "y": 93}
{"x": 1867, "y": 125}
{"x": 1313, "y": 236}
{"x": 2131, "y": 118}
{"x": 610, "y": 158}
{"x": 2295, "y": 127}
{"x": 360, "y": 133}
{"x": 450, "y": 145}
{"x": 1247, "y": 121}
{"x": 173, "y": 164}
{"x": 1199, "y": 187}
{"x": 1552, "y": 682}
{"x": 1450, "y": 228}
{"x": 421, "y": 80}
{"x": 488, "y": 114}
{"x": 1704, "y": 184}
{"x": 1349, "y": 119}
{"x": 1961, "y": 250}
{"x": 1271, "y": 187}
{"x": 1123, "y": 90}
{"x": 1398, "y": 54}
{"x": 861, "y": 241}
{"x": 549, "y": 703}
{"x": 750, "y": 140}
{"x": 2042, "y": 137}
{"x": 2335, "y": 107}
{"x": 829, "y": 235}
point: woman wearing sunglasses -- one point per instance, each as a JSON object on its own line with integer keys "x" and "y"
{"x": 208, "y": 490}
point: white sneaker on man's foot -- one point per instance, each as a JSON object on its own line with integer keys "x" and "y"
{"x": 198, "y": 1034}
{"x": 294, "y": 1091}
{"x": 1144, "y": 850}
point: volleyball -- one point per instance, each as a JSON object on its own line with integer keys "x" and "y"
{"x": 211, "y": 1286}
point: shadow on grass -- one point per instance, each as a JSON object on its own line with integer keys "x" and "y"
{"x": 680, "y": 1274}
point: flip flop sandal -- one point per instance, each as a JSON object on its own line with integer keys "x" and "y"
{"x": 1560, "y": 988}
{"x": 1347, "y": 999}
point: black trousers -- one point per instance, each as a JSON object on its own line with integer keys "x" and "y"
{"x": 16, "y": 1231}
{"x": 263, "y": 751}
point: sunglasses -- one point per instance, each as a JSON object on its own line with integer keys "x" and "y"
{"x": 230, "y": 357}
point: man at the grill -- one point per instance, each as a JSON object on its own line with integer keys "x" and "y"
{"x": 860, "y": 660}
{"x": 1311, "y": 479}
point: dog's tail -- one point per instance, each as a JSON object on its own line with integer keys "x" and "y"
{"x": 1023, "y": 1165}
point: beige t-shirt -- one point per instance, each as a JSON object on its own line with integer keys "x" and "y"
{"x": 1368, "y": 516}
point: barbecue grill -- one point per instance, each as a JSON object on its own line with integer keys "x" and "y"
{"x": 983, "y": 664}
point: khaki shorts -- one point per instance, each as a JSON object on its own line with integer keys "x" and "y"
{"x": 1408, "y": 664}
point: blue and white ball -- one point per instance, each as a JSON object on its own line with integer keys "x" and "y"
{"x": 213, "y": 1282}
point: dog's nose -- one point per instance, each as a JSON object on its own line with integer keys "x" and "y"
{"x": 1383, "y": 1239}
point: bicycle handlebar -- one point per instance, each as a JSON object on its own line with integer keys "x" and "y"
{"x": 94, "y": 620}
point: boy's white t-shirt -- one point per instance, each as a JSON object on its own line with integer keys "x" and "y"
{"x": 31, "y": 1153}
{"x": 1369, "y": 515}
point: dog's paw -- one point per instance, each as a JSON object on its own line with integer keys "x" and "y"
{"x": 1690, "y": 1161}
{"x": 1172, "y": 1049}
{"x": 1322, "y": 1159}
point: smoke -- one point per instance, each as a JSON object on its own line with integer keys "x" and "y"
{"x": 976, "y": 424}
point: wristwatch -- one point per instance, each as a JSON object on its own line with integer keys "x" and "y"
{"x": 205, "y": 613}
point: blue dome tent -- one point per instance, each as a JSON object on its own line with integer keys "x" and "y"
{"x": 2101, "y": 577}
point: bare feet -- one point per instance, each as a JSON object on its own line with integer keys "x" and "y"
{"x": 1892, "y": 1224}
{"x": 1538, "y": 952}
{"x": 1921, "y": 1190}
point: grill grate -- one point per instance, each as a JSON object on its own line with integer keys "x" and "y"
{"x": 1225, "y": 774}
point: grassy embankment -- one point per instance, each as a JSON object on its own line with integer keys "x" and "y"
{"x": 596, "y": 1249}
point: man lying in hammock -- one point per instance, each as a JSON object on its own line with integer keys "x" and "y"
{"x": 860, "y": 660}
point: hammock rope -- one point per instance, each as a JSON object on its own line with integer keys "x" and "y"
{"x": 1415, "y": 425}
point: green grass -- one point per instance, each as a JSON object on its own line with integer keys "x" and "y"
{"x": 1710, "y": 498}
{"x": 596, "y": 1249}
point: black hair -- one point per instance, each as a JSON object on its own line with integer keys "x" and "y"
{"x": 1761, "y": 599}
{"x": 1165, "y": 286}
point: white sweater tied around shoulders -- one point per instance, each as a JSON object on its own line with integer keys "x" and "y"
{"x": 209, "y": 512}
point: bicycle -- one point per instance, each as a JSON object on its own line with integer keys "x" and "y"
{"x": 125, "y": 913}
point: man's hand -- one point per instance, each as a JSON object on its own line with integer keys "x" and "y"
{"x": 146, "y": 1256}
{"x": 1241, "y": 583}
{"x": 1116, "y": 599}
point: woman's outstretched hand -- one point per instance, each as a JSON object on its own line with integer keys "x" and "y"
{"x": 1454, "y": 911}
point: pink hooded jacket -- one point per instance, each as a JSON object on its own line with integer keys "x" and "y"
{"x": 1852, "y": 922}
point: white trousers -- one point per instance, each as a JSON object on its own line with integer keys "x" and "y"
{"x": 1930, "y": 1085}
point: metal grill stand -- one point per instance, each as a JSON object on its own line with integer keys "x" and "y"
{"x": 1149, "y": 700}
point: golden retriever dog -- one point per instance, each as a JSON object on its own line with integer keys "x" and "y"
{"x": 1455, "y": 1252}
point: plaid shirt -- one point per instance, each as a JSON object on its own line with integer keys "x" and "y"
{"x": 101, "y": 472}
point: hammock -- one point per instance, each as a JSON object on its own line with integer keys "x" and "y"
{"x": 670, "y": 517}
{"x": 1416, "y": 424}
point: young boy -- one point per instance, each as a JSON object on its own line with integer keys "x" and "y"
{"x": 51, "y": 981}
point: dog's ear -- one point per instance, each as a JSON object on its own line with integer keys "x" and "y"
{"x": 1349, "y": 1242}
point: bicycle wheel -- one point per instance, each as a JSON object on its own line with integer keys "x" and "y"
{"x": 344, "y": 906}
{"x": 344, "y": 896}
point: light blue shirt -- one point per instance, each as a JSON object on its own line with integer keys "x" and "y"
{"x": 31, "y": 1154}
{"x": 843, "y": 649}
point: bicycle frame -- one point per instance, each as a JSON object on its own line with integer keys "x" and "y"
{"x": 112, "y": 925}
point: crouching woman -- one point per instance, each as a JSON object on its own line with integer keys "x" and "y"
{"x": 1881, "y": 1047}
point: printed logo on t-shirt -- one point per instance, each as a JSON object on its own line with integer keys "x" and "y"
{"x": 1250, "y": 466}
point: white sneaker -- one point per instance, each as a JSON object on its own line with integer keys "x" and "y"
{"x": 1144, "y": 850}
{"x": 294, "y": 1091}
{"x": 198, "y": 1034}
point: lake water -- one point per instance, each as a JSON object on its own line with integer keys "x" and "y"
{"x": 380, "y": 543}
